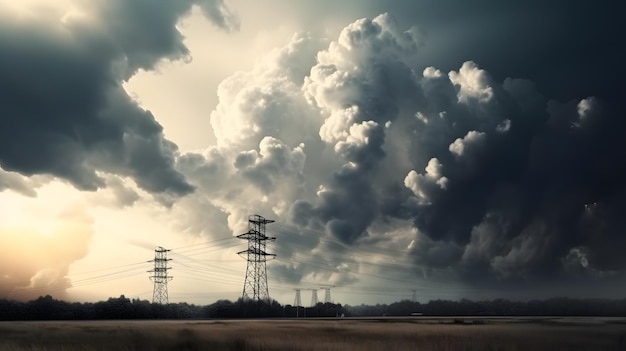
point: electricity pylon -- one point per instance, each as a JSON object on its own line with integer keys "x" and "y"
{"x": 313, "y": 297}
{"x": 160, "y": 277}
{"x": 255, "y": 285}
{"x": 297, "y": 301}
{"x": 326, "y": 289}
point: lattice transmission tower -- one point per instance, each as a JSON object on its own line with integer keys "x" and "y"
{"x": 314, "y": 299}
{"x": 297, "y": 301}
{"x": 255, "y": 285}
{"x": 326, "y": 289}
{"x": 159, "y": 275}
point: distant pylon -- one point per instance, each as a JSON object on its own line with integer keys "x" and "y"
{"x": 160, "y": 277}
{"x": 327, "y": 298}
{"x": 297, "y": 301}
{"x": 255, "y": 284}
{"x": 313, "y": 297}
{"x": 414, "y": 297}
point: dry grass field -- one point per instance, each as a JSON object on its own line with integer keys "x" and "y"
{"x": 339, "y": 334}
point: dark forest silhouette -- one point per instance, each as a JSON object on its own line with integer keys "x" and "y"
{"x": 48, "y": 308}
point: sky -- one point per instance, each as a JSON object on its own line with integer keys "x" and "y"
{"x": 436, "y": 149}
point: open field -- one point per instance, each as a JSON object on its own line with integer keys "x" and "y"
{"x": 330, "y": 334}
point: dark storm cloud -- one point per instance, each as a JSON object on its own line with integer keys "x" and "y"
{"x": 63, "y": 109}
{"x": 336, "y": 209}
{"x": 505, "y": 184}
{"x": 220, "y": 14}
{"x": 520, "y": 182}
{"x": 571, "y": 49}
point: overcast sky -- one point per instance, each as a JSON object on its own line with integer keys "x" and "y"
{"x": 459, "y": 149}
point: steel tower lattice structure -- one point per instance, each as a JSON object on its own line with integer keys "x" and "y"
{"x": 297, "y": 301}
{"x": 159, "y": 275}
{"x": 314, "y": 299}
{"x": 255, "y": 286}
{"x": 326, "y": 289}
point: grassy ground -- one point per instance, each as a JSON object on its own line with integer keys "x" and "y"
{"x": 384, "y": 334}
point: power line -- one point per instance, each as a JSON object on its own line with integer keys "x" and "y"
{"x": 209, "y": 245}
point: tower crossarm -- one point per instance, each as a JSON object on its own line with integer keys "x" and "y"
{"x": 255, "y": 235}
{"x": 259, "y": 219}
{"x": 257, "y": 254}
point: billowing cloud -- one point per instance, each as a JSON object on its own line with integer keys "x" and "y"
{"x": 471, "y": 140}
{"x": 484, "y": 180}
{"x": 472, "y": 83}
{"x": 64, "y": 111}
{"x": 423, "y": 185}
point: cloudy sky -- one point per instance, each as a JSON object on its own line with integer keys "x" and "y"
{"x": 458, "y": 149}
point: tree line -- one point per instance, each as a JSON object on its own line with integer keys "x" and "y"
{"x": 560, "y": 306}
{"x": 48, "y": 308}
